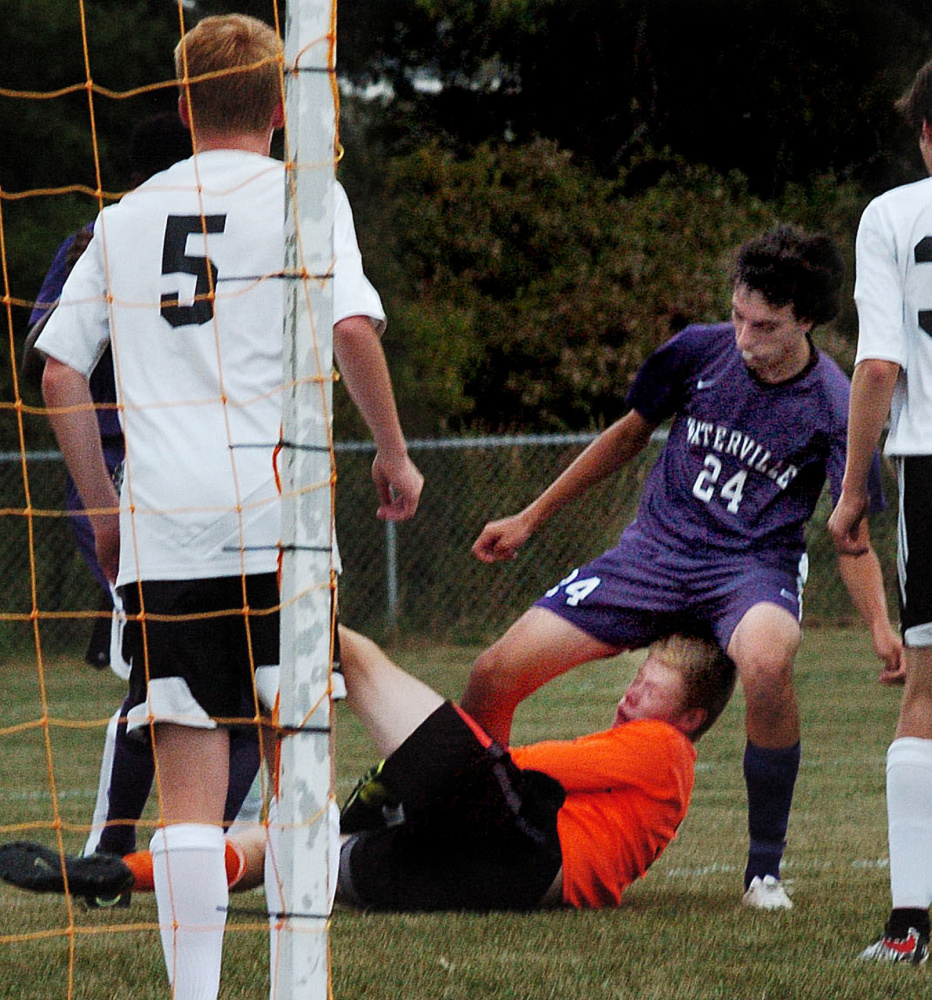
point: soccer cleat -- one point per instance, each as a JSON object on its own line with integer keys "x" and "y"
{"x": 105, "y": 901}
{"x": 767, "y": 893}
{"x": 39, "y": 869}
{"x": 370, "y": 805}
{"x": 912, "y": 949}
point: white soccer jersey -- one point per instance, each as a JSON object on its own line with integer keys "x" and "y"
{"x": 893, "y": 291}
{"x": 199, "y": 382}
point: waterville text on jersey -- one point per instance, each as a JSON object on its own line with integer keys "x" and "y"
{"x": 705, "y": 434}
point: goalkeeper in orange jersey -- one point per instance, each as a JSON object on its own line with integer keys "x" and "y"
{"x": 451, "y": 820}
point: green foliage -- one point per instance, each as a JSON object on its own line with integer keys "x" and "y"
{"x": 523, "y": 289}
{"x": 52, "y": 142}
{"x": 560, "y": 200}
{"x": 781, "y": 92}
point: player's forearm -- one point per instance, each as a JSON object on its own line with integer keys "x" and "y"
{"x": 364, "y": 371}
{"x": 612, "y": 449}
{"x": 73, "y": 419}
{"x": 863, "y": 579}
{"x": 871, "y": 393}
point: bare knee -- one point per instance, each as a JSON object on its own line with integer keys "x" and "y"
{"x": 763, "y": 647}
{"x": 488, "y": 679}
{"x": 766, "y": 683}
{"x": 489, "y": 666}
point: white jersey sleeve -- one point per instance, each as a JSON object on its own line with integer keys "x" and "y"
{"x": 893, "y": 292}
{"x": 77, "y": 331}
{"x": 353, "y": 293}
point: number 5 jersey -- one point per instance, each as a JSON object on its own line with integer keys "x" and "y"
{"x": 184, "y": 278}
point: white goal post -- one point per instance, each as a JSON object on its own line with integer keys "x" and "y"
{"x": 307, "y": 528}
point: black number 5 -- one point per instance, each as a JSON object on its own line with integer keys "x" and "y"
{"x": 175, "y": 261}
{"x": 922, "y": 254}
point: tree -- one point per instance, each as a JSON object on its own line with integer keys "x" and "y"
{"x": 56, "y": 142}
{"x": 523, "y": 290}
{"x": 781, "y": 92}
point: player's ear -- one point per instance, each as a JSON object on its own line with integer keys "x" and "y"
{"x": 183, "y": 110}
{"x": 691, "y": 719}
{"x": 278, "y": 116}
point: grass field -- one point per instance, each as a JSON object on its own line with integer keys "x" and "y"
{"x": 679, "y": 934}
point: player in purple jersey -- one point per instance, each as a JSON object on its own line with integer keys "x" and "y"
{"x": 759, "y": 424}
{"x": 892, "y": 376}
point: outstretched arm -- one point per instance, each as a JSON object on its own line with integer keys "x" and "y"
{"x": 864, "y": 580}
{"x": 606, "y": 454}
{"x": 359, "y": 354}
{"x": 71, "y": 414}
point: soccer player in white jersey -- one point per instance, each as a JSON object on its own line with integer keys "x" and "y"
{"x": 893, "y": 377}
{"x": 759, "y": 424}
{"x": 183, "y": 280}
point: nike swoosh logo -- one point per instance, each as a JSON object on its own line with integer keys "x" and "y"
{"x": 704, "y": 383}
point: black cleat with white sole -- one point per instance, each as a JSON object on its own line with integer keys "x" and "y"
{"x": 39, "y": 869}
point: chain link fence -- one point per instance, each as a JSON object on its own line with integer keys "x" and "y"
{"x": 416, "y": 579}
{"x": 420, "y": 577}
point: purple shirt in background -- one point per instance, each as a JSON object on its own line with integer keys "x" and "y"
{"x": 102, "y": 384}
{"x": 103, "y": 390}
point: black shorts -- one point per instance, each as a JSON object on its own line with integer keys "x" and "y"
{"x": 192, "y": 659}
{"x": 478, "y": 832}
{"x": 914, "y": 563}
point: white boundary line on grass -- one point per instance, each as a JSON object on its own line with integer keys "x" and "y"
{"x": 717, "y": 867}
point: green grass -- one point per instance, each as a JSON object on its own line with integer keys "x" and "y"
{"x": 679, "y": 934}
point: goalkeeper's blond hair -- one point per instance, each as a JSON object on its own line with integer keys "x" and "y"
{"x": 708, "y": 674}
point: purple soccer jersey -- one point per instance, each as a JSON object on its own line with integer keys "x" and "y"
{"x": 745, "y": 461}
{"x": 720, "y": 526}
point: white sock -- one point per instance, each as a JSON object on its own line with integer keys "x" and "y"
{"x": 192, "y": 896}
{"x": 909, "y": 818}
{"x": 273, "y": 896}
{"x": 102, "y": 804}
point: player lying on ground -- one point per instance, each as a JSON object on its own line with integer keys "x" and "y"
{"x": 452, "y": 820}
{"x": 758, "y": 427}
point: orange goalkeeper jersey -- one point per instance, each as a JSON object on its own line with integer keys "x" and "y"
{"x": 627, "y": 791}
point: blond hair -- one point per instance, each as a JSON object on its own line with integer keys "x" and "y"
{"x": 240, "y": 101}
{"x": 708, "y": 674}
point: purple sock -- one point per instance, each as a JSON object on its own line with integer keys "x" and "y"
{"x": 770, "y": 777}
{"x": 244, "y": 765}
{"x": 130, "y": 783}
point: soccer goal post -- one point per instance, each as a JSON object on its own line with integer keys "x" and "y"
{"x": 302, "y": 966}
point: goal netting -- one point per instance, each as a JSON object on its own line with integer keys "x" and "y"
{"x": 57, "y": 712}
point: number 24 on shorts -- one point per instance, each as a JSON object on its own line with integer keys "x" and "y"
{"x": 576, "y": 590}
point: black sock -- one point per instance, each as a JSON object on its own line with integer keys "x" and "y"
{"x": 903, "y": 918}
